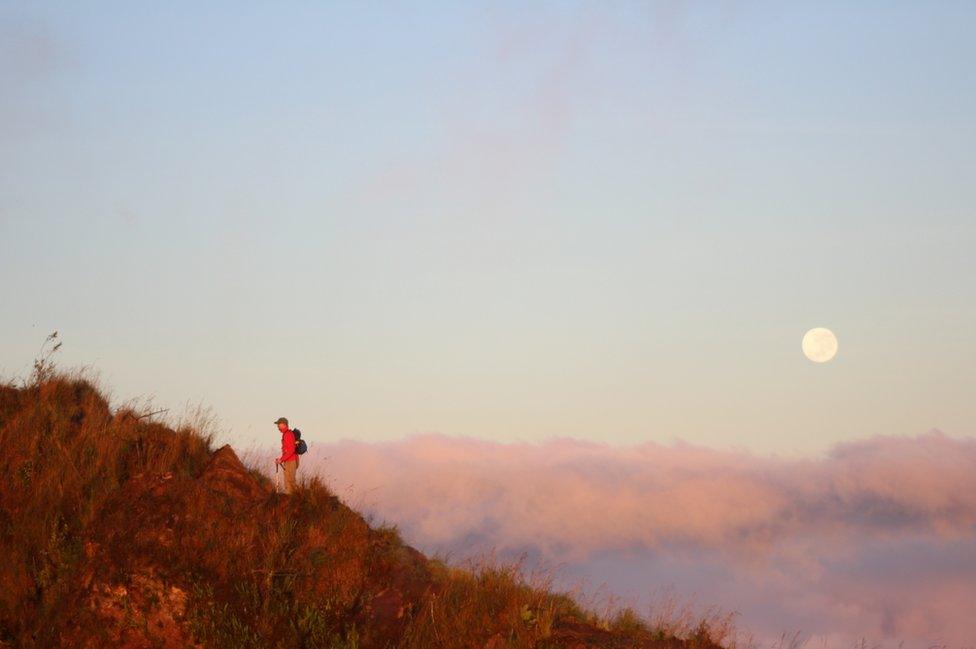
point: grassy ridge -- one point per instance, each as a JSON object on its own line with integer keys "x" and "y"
{"x": 119, "y": 531}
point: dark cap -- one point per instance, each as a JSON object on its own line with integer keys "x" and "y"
{"x": 282, "y": 420}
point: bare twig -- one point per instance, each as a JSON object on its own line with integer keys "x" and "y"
{"x": 150, "y": 414}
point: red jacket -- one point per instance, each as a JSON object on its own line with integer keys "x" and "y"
{"x": 288, "y": 446}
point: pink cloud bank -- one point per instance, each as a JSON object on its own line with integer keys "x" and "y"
{"x": 875, "y": 540}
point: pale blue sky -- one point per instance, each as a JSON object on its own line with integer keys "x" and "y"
{"x": 610, "y": 221}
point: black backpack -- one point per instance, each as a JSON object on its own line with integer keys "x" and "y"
{"x": 300, "y": 446}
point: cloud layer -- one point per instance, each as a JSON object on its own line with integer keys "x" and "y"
{"x": 875, "y": 540}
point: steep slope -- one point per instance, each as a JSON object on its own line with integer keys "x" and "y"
{"x": 120, "y": 532}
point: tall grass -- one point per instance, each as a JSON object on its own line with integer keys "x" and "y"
{"x": 64, "y": 455}
{"x": 89, "y": 496}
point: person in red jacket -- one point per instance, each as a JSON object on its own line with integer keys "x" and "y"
{"x": 289, "y": 458}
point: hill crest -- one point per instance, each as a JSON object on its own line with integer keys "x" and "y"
{"x": 123, "y": 532}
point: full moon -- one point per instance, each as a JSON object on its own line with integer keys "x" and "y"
{"x": 819, "y": 344}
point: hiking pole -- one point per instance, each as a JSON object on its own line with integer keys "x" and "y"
{"x": 277, "y": 479}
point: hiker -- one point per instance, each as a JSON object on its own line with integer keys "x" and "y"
{"x": 289, "y": 458}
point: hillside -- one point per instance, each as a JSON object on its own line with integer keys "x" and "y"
{"x": 117, "y": 531}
